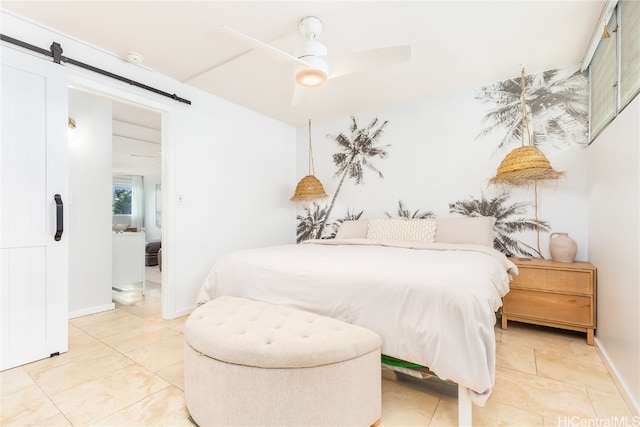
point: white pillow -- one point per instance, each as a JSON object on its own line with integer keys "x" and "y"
{"x": 414, "y": 230}
{"x": 468, "y": 230}
{"x": 353, "y": 229}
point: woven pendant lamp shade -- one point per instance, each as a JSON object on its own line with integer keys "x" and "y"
{"x": 524, "y": 165}
{"x": 309, "y": 188}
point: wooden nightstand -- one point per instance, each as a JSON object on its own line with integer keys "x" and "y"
{"x": 557, "y": 294}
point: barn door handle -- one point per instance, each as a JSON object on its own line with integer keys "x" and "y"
{"x": 59, "y": 207}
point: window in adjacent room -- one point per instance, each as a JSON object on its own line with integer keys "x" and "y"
{"x": 128, "y": 200}
{"x": 122, "y": 194}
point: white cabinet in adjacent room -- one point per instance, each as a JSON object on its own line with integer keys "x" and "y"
{"x": 128, "y": 260}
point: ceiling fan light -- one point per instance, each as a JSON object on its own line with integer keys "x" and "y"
{"x": 314, "y": 73}
{"x": 311, "y": 77}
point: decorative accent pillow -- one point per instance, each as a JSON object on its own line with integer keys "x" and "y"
{"x": 353, "y": 229}
{"x": 414, "y": 230}
{"x": 469, "y": 230}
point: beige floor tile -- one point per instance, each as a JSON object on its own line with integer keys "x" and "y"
{"x": 174, "y": 374}
{"x": 492, "y": 414}
{"x": 15, "y": 380}
{"x": 104, "y": 316}
{"x": 58, "y": 420}
{"x": 540, "y": 395}
{"x": 557, "y": 421}
{"x": 93, "y": 400}
{"x": 135, "y": 338}
{"x": 404, "y": 417}
{"x": 160, "y": 354}
{"x": 176, "y": 324}
{"x": 516, "y": 357}
{"x": 540, "y": 337}
{"x": 146, "y": 310}
{"x": 26, "y": 406}
{"x": 498, "y": 414}
{"x": 123, "y": 323}
{"x": 446, "y": 413}
{"x": 574, "y": 370}
{"x": 74, "y": 330}
{"x": 78, "y": 370}
{"x": 164, "y": 408}
{"x": 79, "y": 346}
{"x": 407, "y": 401}
{"x": 608, "y": 403}
{"x": 585, "y": 351}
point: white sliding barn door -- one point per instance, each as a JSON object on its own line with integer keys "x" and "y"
{"x": 34, "y": 168}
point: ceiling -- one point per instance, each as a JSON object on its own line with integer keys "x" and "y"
{"x": 137, "y": 144}
{"x": 455, "y": 45}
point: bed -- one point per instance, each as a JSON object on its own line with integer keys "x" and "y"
{"x": 432, "y": 301}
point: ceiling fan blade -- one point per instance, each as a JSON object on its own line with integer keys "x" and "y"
{"x": 261, "y": 46}
{"x": 299, "y": 93}
{"x": 361, "y": 61}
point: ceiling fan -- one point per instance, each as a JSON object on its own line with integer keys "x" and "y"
{"x": 313, "y": 66}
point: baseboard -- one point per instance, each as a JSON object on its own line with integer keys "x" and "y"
{"x": 91, "y": 310}
{"x": 184, "y": 312}
{"x": 629, "y": 399}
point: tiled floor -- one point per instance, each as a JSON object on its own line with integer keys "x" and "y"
{"x": 124, "y": 367}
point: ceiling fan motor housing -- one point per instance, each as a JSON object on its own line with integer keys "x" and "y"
{"x": 310, "y": 27}
{"x": 310, "y": 48}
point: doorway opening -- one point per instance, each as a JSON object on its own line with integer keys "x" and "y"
{"x": 137, "y": 204}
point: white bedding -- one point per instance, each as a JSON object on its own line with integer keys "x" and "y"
{"x": 432, "y": 303}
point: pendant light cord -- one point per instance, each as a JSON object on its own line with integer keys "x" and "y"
{"x": 311, "y": 168}
{"x": 535, "y": 189}
{"x": 523, "y": 101}
{"x": 525, "y": 126}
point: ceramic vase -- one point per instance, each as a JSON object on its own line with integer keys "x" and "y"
{"x": 562, "y": 247}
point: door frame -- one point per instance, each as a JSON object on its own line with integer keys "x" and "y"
{"x": 96, "y": 85}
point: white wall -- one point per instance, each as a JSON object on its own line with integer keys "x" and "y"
{"x": 228, "y": 171}
{"x": 234, "y": 174}
{"x": 614, "y": 245}
{"x": 90, "y": 204}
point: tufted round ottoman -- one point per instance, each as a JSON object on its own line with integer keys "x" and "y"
{"x": 251, "y": 363}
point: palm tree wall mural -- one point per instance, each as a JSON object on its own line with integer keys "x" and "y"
{"x": 445, "y": 150}
{"x": 403, "y": 212}
{"x": 506, "y": 225}
{"x": 357, "y": 150}
{"x": 314, "y": 215}
{"x": 557, "y": 109}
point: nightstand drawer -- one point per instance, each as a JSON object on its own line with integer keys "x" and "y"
{"x": 566, "y": 281}
{"x": 570, "y": 309}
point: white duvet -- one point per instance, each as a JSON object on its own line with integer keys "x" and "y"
{"x": 432, "y": 304}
